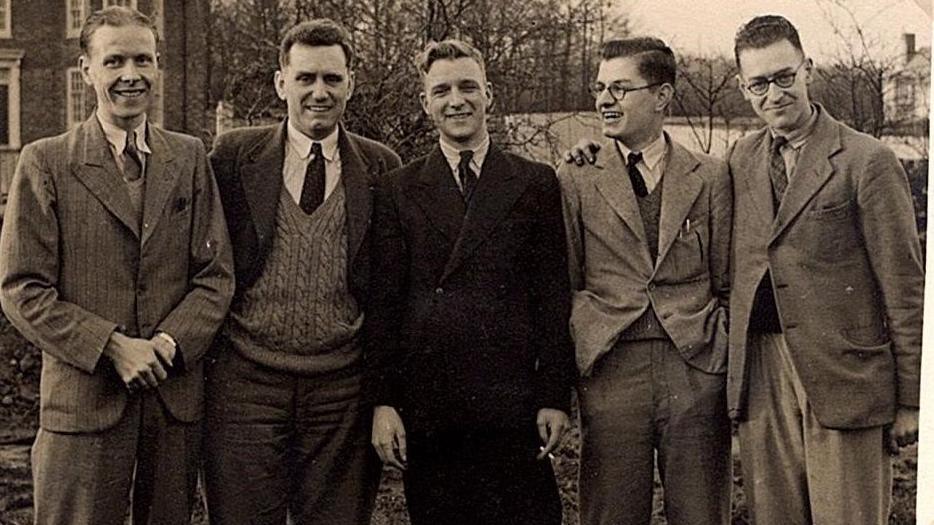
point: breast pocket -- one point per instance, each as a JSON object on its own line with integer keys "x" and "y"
{"x": 688, "y": 250}
{"x": 832, "y": 231}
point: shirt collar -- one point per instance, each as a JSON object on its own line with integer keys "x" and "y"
{"x": 652, "y": 155}
{"x": 798, "y": 137}
{"x": 453, "y": 154}
{"x": 301, "y": 143}
{"x": 116, "y": 136}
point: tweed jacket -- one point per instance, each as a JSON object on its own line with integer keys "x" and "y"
{"x": 76, "y": 264}
{"x": 612, "y": 273}
{"x": 845, "y": 262}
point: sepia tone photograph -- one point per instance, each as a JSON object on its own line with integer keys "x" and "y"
{"x": 397, "y": 262}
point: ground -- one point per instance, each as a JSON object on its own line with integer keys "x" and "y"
{"x": 19, "y": 373}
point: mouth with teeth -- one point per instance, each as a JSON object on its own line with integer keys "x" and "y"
{"x": 611, "y": 116}
{"x": 458, "y": 116}
{"x": 317, "y": 109}
{"x": 133, "y": 92}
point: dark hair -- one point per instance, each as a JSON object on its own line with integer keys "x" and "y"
{"x": 449, "y": 49}
{"x": 116, "y": 16}
{"x": 656, "y": 59}
{"x": 763, "y": 31}
{"x": 317, "y": 32}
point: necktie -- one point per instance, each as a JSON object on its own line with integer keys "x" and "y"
{"x": 313, "y": 187}
{"x": 635, "y": 176}
{"x": 777, "y": 170}
{"x": 133, "y": 165}
{"x": 468, "y": 178}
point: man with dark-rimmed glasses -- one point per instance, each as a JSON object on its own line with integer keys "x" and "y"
{"x": 648, "y": 227}
{"x": 826, "y": 302}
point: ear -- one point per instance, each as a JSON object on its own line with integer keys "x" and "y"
{"x": 279, "y": 82}
{"x": 739, "y": 85}
{"x": 423, "y": 98}
{"x": 84, "y": 63}
{"x": 350, "y": 84}
{"x": 489, "y": 96}
{"x": 809, "y": 71}
{"x": 664, "y": 96}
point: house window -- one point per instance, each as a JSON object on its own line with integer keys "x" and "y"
{"x": 124, "y": 3}
{"x": 9, "y": 98}
{"x": 75, "y": 13}
{"x": 6, "y": 19}
{"x": 905, "y": 96}
{"x": 158, "y": 16}
{"x": 77, "y": 100}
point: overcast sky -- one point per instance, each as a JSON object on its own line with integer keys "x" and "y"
{"x": 704, "y": 26}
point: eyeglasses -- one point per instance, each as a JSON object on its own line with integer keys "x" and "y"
{"x": 617, "y": 91}
{"x": 760, "y": 86}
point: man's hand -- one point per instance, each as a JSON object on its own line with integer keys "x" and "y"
{"x": 389, "y": 436}
{"x": 551, "y": 427}
{"x": 904, "y": 431}
{"x": 584, "y": 150}
{"x": 136, "y": 361}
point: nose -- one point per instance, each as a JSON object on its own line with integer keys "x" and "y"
{"x": 319, "y": 90}
{"x": 605, "y": 99}
{"x": 130, "y": 73}
{"x": 456, "y": 98}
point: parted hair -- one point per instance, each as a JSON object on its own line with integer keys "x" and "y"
{"x": 449, "y": 49}
{"x": 317, "y": 32}
{"x": 656, "y": 59}
{"x": 763, "y": 31}
{"x": 115, "y": 16}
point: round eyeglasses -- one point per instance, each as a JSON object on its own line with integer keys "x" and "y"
{"x": 760, "y": 85}
{"x": 617, "y": 91}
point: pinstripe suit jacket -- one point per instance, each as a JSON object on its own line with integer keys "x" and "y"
{"x": 75, "y": 265}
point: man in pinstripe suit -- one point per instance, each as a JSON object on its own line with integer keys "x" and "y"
{"x": 115, "y": 261}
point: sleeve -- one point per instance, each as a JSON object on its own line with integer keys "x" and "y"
{"x": 29, "y": 270}
{"x": 887, "y": 219}
{"x": 196, "y": 318}
{"x": 573, "y": 226}
{"x": 721, "y": 228}
{"x": 388, "y": 283}
{"x": 551, "y": 299}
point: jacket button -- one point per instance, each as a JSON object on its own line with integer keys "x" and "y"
{"x": 439, "y": 290}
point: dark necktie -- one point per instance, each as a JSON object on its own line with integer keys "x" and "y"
{"x": 133, "y": 161}
{"x": 777, "y": 169}
{"x": 468, "y": 178}
{"x": 313, "y": 187}
{"x": 635, "y": 176}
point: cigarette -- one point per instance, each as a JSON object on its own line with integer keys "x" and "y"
{"x": 550, "y": 455}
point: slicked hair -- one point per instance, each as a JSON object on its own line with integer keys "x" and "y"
{"x": 116, "y": 16}
{"x": 656, "y": 59}
{"x": 317, "y": 32}
{"x": 450, "y": 49}
{"x": 763, "y": 31}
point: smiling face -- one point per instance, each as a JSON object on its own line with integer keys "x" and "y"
{"x": 457, "y": 97}
{"x": 782, "y": 109}
{"x": 121, "y": 65}
{"x": 316, "y": 85}
{"x": 636, "y": 119}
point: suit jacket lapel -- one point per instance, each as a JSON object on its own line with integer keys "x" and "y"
{"x": 497, "y": 190}
{"x": 680, "y": 190}
{"x": 812, "y": 171}
{"x": 160, "y": 178}
{"x": 99, "y": 173}
{"x": 612, "y": 181}
{"x": 357, "y": 189}
{"x": 437, "y": 194}
{"x": 261, "y": 176}
{"x": 754, "y": 171}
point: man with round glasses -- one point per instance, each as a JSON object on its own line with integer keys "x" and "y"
{"x": 826, "y": 301}
{"x": 648, "y": 227}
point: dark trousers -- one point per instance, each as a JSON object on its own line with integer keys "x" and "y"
{"x": 283, "y": 445}
{"x": 643, "y": 399}
{"x": 488, "y": 477}
{"x": 148, "y": 457}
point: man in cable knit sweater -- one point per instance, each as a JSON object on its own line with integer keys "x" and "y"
{"x": 284, "y": 391}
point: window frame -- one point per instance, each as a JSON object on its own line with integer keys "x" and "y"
{"x": 6, "y": 24}
{"x": 70, "y": 22}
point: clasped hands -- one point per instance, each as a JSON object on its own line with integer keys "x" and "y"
{"x": 141, "y": 363}
{"x": 388, "y": 435}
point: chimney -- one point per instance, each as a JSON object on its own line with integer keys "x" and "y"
{"x": 909, "y": 39}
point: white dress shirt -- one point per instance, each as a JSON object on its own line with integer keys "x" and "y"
{"x": 298, "y": 155}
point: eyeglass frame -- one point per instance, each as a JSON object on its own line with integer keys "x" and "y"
{"x": 615, "y": 86}
{"x": 774, "y": 79}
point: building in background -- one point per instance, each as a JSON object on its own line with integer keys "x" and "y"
{"x": 907, "y": 93}
{"x": 41, "y": 89}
